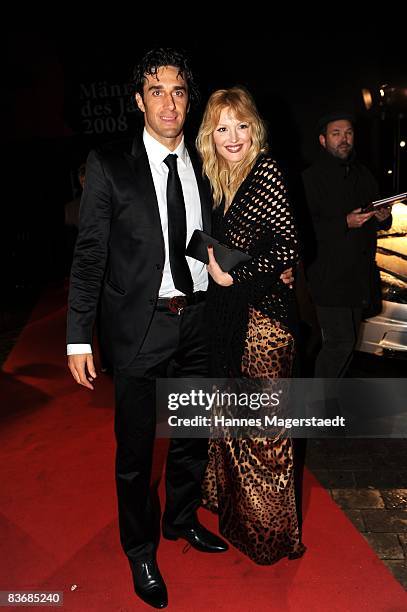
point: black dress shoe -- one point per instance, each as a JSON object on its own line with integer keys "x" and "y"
{"x": 148, "y": 583}
{"x": 199, "y": 537}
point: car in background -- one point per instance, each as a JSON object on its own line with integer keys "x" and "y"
{"x": 386, "y": 333}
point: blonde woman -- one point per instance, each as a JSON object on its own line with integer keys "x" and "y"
{"x": 250, "y": 482}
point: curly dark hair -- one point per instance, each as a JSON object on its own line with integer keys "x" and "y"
{"x": 157, "y": 58}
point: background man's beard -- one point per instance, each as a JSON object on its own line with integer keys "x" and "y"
{"x": 342, "y": 152}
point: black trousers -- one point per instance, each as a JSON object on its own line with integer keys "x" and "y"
{"x": 339, "y": 327}
{"x": 175, "y": 346}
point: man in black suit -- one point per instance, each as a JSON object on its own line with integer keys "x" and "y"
{"x": 139, "y": 208}
{"x": 343, "y": 275}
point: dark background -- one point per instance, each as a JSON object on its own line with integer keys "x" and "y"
{"x": 58, "y": 103}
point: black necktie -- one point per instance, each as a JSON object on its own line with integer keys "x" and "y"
{"x": 177, "y": 228}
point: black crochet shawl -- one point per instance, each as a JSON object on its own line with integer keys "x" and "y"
{"x": 259, "y": 222}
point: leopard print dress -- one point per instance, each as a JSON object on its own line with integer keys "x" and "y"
{"x": 250, "y": 482}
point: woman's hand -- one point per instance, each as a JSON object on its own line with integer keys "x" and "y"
{"x": 288, "y": 277}
{"x": 219, "y": 276}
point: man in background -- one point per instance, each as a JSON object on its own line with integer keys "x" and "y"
{"x": 343, "y": 276}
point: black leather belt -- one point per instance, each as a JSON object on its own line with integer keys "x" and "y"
{"x": 177, "y": 303}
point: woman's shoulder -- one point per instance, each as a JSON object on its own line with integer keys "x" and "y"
{"x": 265, "y": 163}
{"x": 266, "y": 169}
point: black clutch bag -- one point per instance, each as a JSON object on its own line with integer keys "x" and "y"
{"x": 227, "y": 257}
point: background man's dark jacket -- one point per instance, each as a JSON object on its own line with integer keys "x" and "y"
{"x": 119, "y": 254}
{"x": 343, "y": 271}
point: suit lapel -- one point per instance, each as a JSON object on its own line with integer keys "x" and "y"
{"x": 144, "y": 185}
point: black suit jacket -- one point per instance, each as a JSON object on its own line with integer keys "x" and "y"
{"x": 343, "y": 271}
{"x": 119, "y": 254}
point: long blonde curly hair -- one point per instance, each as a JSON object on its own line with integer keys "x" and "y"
{"x": 224, "y": 180}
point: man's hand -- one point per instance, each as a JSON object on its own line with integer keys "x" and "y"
{"x": 82, "y": 369}
{"x": 356, "y": 218}
{"x": 383, "y": 213}
{"x": 288, "y": 277}
{"x": 219, "y": 276}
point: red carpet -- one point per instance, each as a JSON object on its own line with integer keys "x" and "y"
{"x": 58, "y": 528}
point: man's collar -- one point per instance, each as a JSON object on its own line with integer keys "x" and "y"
{"x": 326, "y": 155}
{"x": 158, "y": 152}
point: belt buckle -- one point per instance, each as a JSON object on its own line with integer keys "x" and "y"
{"x": 177, "y": 304}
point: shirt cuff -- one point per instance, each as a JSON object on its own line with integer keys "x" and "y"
{"x": 78, "y": 349}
